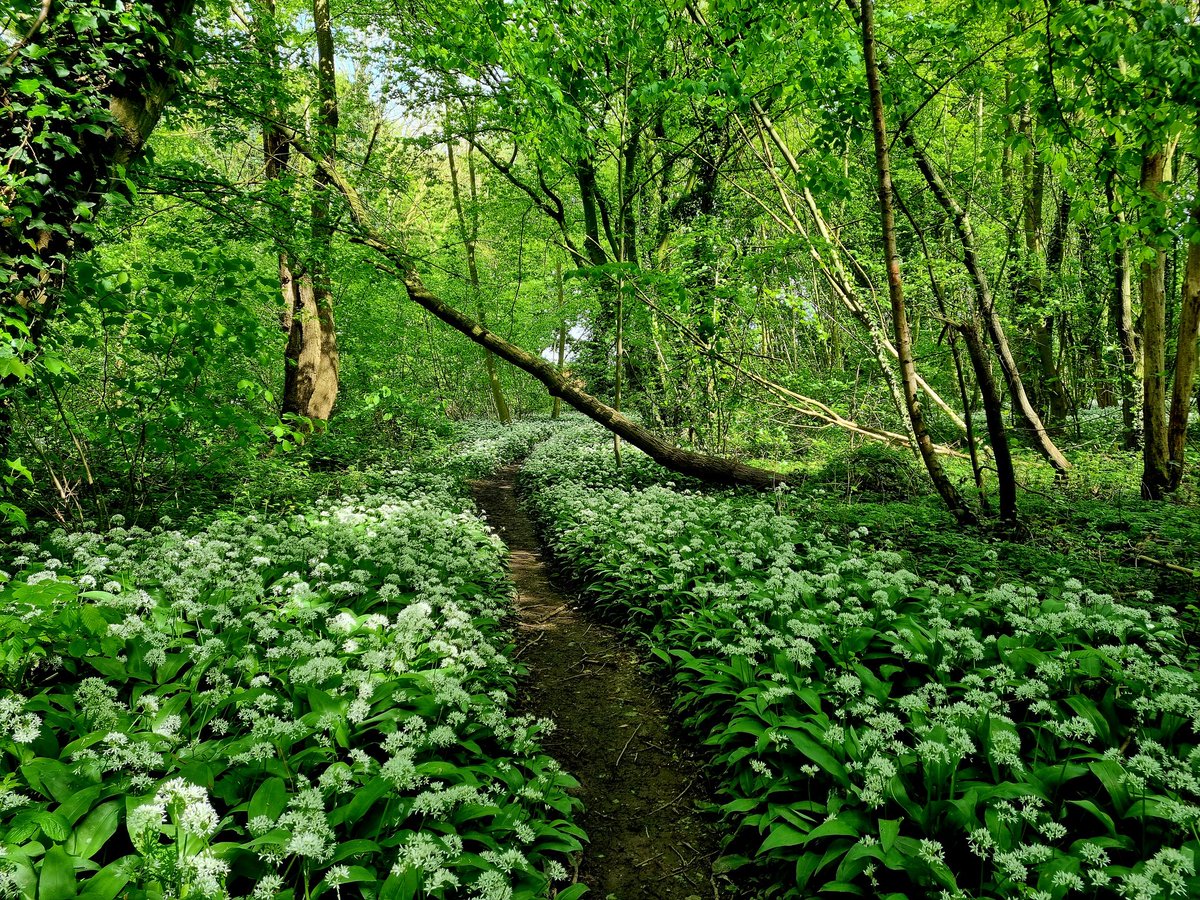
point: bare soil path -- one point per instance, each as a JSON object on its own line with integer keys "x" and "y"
{"x": 639, "y": 780}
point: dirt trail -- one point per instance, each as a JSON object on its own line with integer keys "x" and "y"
{"x": 638, "y": 779}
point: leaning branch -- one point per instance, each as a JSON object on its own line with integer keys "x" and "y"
{"x": 712, "y": 469}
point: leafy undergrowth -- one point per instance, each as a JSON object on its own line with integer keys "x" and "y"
{"x": 881, "y": 734}
{"x": 277, "y": 707}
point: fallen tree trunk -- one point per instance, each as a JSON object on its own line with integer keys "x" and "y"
{"x": 711, "y": 469}
{"x": 714, "y": 469}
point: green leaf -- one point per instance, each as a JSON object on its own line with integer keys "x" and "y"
{"x": 783, "y": 836}
{"x": 269, "y": 800}
{"x": 108, "y": 882}
{"x": 818, "y": 755}
{"x": 56, "y": 880}
{"x": 401, "y": 887}
{"x": 53, "y": 825}
{"x": 574, "y": 892}
{"x": 834, "y": 827}
{"x": 889, "y": 830}
{"x": 93, "y": 832}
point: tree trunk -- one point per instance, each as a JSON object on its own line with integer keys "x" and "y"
{"x": 116, "y": 112}
{"x": 1185, "y": 356}
{"x": 556, "y": 410}
{"x": 79, "y": 155}
{"x": 1029, "y": 285}
{"x": 993, "y": 410}
{"x": 713, "y": 469}
{"x": 908, "y": 375}
{"x": 311, "y": 362}
{"x": 1155, "y": 458}
{"x": 276, "y": 147}
{"x": 585, "y": 175}
{"x": 469, "y": 233}
{"x": 991, "y": 317}
{"x": 1053, "y": 383}
{"x": 1121, "y": 311}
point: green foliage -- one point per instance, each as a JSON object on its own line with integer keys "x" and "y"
{"x": 287, "y": 706}
{"x": 874, "y": 471}
{"x": 883, "y": 734}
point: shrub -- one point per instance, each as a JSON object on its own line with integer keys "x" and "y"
{"x": 875, "y": 471}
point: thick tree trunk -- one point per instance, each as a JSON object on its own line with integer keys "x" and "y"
{"x": 54, "y": 190}
{"x": 311, "y": 358}
{"x": 987, "y": 306}
{"x": 1155, "y": 458}
{"x": 116, "y": 110}
{"x": 908, "y": 375}
{"x": 469, "y": 233}
{"x": 276, "y": 147}
{"x": 1185, "y": 358}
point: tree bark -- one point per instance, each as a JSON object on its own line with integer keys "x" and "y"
{"x": 1121, "y": 312}
{"x": 311, "y": 360}
{"x": 908, "y": 375}
{"x": 116, "y": 111}
{"x": 712, "y": 469}
{"x": 82, "y": 153}
{"x": 993, "y": 411}
{"x": 1185, "y": 356}
{"x": 1155, "y": 459}
{"x": 276, "y": 148}
{"x": 1052, "y": 381}
{"x": 585, "y": 175}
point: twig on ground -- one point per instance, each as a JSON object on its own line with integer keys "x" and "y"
{"x": 621, "y": 756}
{"x": 517, "y": 655}
{"x": 674, "y": 799}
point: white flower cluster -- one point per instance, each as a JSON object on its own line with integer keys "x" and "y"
{"x": 356, "y": 646}
{"x": 908, "y": 687}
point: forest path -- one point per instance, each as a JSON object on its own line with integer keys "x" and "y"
{"x": 637, "y": 777}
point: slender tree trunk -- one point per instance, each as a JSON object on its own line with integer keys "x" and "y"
{"x": 1053, "y": 383}
{"x": 556, "y": 410}
{"x": 993, "y": 410}
{"x": 987, "y": 307}
{"x": 585, "y": 175}
{"x": 908, "y": 375}
{"x": 311, "y": 360}
{"x": 1155, "y": 458}
{"x": 1185, "y": 355}
{"x": 1029, "y": 285}
{"x": 468, "y": 230}
{"x": 1121, "y": 312}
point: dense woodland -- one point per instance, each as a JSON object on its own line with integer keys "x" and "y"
{"x": 886, "y": 319}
